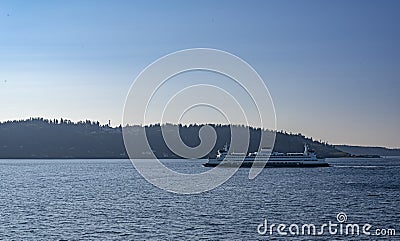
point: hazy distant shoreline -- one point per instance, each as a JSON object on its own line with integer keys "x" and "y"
{"x": 365, "y": 150}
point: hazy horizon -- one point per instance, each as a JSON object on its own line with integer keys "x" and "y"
{"x": 332, "y": 68}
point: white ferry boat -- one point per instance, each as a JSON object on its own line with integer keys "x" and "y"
{"x": 266, "y": 156}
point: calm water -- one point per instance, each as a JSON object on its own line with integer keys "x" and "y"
{"x": 108, "y": 199}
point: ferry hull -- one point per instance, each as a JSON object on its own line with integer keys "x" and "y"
{"x": 268, "y": 164}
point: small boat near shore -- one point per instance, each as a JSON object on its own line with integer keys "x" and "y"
{"x": 266, "y": 158}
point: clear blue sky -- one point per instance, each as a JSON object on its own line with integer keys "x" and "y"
{"x": 332, "y": 67}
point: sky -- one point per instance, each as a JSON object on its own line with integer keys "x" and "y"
{"x": 331, "y": 67}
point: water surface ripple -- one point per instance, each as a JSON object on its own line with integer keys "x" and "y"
{"x": 109, "y": 200}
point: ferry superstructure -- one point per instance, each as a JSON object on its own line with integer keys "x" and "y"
{"x": 265, "y": 157}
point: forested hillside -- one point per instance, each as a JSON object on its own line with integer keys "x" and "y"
{"x": 41, "y": 138}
